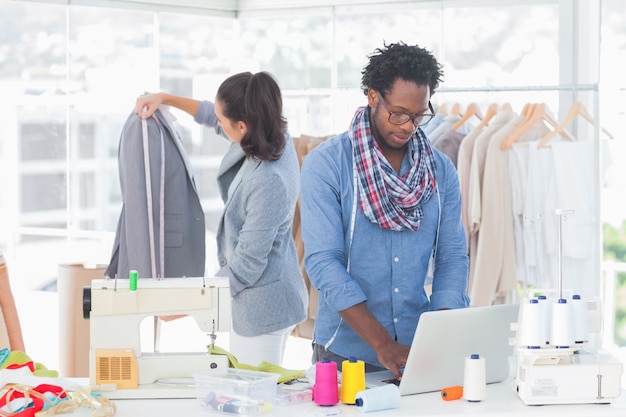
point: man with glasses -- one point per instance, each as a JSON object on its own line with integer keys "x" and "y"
{"x": 378, "y": 203}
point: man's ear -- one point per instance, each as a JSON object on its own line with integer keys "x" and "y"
{"x": 372, "y": 98}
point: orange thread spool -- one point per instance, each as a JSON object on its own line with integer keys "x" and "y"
{"x": 452, "y": 393}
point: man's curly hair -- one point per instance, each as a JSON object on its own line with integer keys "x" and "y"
{"x": 399, "y": 60}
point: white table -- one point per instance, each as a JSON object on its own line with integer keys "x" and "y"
{"x": 501, "y": 401}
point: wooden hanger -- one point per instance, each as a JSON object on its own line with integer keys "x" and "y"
{"x": 536, "y": 112}
{"x": 442, "y": 108}
{"x": 455, "y": 109}
{"x": 492, "y": 110}
{"x": 517, "y": 132}
{"x": 527, "y": 109}
{"x": 576, "y": 109}
{"x": 471, "y": 110}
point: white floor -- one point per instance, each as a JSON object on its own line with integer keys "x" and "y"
{"x": 39, "y": 317}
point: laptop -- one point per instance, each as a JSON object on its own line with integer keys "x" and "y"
{"x": 442, "y": 341}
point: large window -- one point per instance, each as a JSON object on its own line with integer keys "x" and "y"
{"x": 480, "y": 46}
{"x": 613, "y": 105}
{"x": 70, "y": 76}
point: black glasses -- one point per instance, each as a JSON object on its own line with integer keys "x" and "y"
{"x": 418, "y": 119}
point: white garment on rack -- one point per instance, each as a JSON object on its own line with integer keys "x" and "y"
{"x": 540, "y": 183}
{"x": 574, "y": 191}
{"x": 560, "y": 177}
{"x": 575, "y": 179}
{"x": 532, "y": 184}
{"x": 518, "y": 173}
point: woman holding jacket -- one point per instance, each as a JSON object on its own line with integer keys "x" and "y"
{"x": 259, "y": 183}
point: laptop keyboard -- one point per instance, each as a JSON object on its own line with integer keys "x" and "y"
{"x": 394, "y": 381}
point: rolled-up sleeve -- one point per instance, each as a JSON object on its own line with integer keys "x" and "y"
{"x": 323, "y": 233}
{"x": 206, "y": 114}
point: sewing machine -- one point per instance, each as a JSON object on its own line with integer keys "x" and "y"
{"x": 556, "y": 362}
{"x": 117, "y": 365}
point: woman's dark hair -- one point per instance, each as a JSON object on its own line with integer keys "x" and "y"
{"x": 256, "y": 100}
{"x": 400, "y": 61}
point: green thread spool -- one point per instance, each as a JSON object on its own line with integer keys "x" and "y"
{"x": 132, "y": 280}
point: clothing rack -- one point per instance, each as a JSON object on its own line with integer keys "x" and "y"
{"x": 574, "y": 89}
{"x": 490, "y": 89}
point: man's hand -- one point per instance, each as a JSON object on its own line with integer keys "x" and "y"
{"x": 391, "y": 354}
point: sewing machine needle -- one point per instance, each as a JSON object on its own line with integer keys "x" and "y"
{"x": 213, "y": 336}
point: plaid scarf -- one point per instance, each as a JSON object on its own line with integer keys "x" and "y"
{"x": 386, "y": 198}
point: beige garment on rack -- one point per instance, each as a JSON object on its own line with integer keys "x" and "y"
{"x": 464, "y": 161}
{"x": 476, "y": 185}
{"x": 479, "y": 152}
{"x": 304, "y": 144}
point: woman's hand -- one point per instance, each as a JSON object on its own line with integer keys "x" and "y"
{"x": 147, "y": 104}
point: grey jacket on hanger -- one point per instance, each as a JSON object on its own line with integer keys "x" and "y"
{"x": 178, "y": 218}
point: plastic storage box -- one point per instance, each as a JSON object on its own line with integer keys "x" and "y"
{"x": 293, "y": 394}
{"x": 236, "y": 391}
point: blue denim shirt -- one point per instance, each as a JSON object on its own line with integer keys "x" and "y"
{"x": 388, "y": 269}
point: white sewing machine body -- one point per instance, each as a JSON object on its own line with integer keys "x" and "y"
{"x": 563, "y": 373}
{"x": 115, "y": 341}
{"x": 555, "y": 377}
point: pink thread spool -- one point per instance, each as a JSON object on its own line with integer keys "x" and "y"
{"x": 326, "y": 389}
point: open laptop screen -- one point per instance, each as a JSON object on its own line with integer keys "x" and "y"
{"x": 442, "y": 341}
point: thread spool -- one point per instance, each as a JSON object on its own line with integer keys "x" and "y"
{"x": 474, "y": 379}
{"x": 581, "y": 319}
{"x": 532, "y": 325}
{"x": 132, "y": 280}
{"x": 352, "y": 379}
{"x": 452, "y": 393}
{"x": 546, "y": 311}
{"x": 326, "y": 389}
{"x": 562, "y": 332}
{"x": 380, "y": 398}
